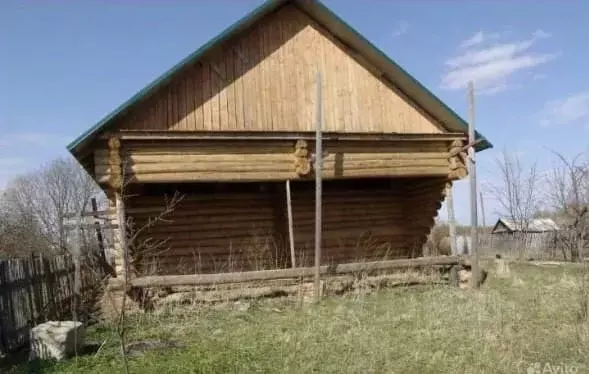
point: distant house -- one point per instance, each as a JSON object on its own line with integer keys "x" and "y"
{"x": 537, "y": 233}
{"x": 538, "y": 225}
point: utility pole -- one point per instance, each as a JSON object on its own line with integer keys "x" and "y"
{"x": 473, "y": 187}
{"x": 482, "y": 209}
{"x": 484, "y": 232}
{"x": 318, "y": 194}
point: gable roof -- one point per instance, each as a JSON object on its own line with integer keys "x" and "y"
{"x": 341, "y": 30}
{"x": 534, "y": 225}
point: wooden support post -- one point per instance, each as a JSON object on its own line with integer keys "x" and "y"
{"x": 116, "y": 184}
{"x": 290, "y": 226}
{"x": 97, "y": 226}
{"x": 451, "y": 219}
{"x": 473, "y": 189}
{"x": 123, "y": 252}
{"x": 454, "y": 276}
{"x": 105, "y": 264}
{"x": 318, "y": 194}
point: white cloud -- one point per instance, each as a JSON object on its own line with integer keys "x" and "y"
{"x": 570, "y": 110}
{"x": 477, "y": 38}
{"x": 491, "y": 65}
{"x": 401, "y": 29}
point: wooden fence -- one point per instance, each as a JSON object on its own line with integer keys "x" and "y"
{"x": 33, "y": 290}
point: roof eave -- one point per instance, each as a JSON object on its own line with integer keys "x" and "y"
{"x": 243, "y": 23}
{"x": 316, "y": 8}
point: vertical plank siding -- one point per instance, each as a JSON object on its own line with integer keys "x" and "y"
{"x": 229, "y": 230}
{"x": 264, "y": 81}
{"x": 32, "y": 290}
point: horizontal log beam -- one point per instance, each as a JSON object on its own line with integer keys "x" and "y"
{"x": 86, "y": 225}
{"x": 226, "y": 135}
{"x": 286, "y": 165}
{"x": 203, "y": 279}
{"x": 255, "y": 176}
{"x": 138, "y": 158}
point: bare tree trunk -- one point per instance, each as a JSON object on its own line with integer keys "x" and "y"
{"x": 569, "y": 194}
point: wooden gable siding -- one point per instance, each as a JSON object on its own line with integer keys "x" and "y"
{"x": 245, "y": 228}
{"x": 265, "y": 81}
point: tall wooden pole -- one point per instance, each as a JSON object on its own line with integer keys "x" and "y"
{"x": 482, "y": 209}
{"x": 473, "y": 188}
{"x": 290, "y": 226}
{"x": 484, "y": 233}
{"x": 318, "y": 194}
{"x": 451, "y": 219}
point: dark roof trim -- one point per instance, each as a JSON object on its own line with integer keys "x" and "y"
{"x": 315, "y": 9}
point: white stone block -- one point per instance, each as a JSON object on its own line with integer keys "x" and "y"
{"x": 57, "y": 339}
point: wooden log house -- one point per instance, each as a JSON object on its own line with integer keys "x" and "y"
{"x": 235, "y": 120}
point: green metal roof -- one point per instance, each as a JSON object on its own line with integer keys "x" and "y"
{"x": 325, "y": 17}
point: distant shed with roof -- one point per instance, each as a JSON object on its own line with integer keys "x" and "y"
{"x": 536, "y": 233}
{"x": 537, "y": 225}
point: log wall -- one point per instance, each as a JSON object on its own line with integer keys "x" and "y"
{"x": 264, "y": 80}
{"x": 230, "y": 227}
{"x": 273, "y": 160}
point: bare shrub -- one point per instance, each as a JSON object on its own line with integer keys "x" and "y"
{"x": 37, "y": 203}
{"x": 568, "y": 193}
{"x": 438, "y": 242}
{"x": 517, "y": 192}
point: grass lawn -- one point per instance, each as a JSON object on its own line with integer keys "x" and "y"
{"x": 532, "y": 316}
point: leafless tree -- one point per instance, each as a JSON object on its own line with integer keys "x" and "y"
{"x": 19, "y": 231}
{"x": 517, "y": 192}
{"x": 135, "y": 247}
{"x": 135, "y": 243}
{"x": 568, "y": 193}
{"x": 47, "y": 195}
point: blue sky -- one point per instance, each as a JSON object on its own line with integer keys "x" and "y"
{"x": 64, "y": 65}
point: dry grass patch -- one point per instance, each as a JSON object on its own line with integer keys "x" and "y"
{"x": 531, "y": 316}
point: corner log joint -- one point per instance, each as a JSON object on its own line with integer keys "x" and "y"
{"x": 302, "y": 163}
{"x": 457, "y": 159}
{"x": 115, "y": 181}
